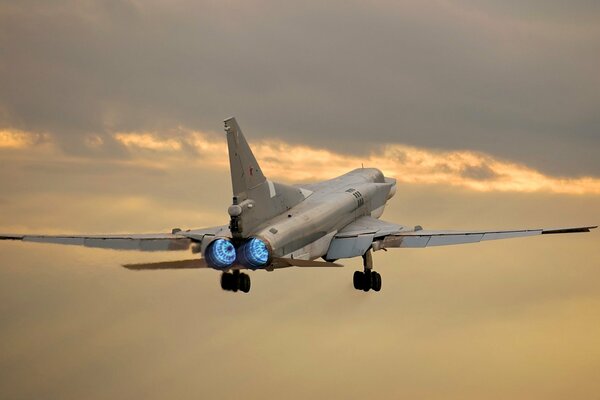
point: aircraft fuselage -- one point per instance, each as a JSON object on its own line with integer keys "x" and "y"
{"x": 305, "y": 230}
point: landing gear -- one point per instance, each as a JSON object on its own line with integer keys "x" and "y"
{"x": 235, "y": 281}
{"x": 368, "y": 279}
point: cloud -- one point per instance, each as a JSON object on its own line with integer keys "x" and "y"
{"x": 296, "y": 163}
{"x": 411, "y": 165}
{"x": 479, "y": 172}
{"x": 517, "y": 80}
{"x": 17, "y": 139}
{"x": 460, "y": 100}
{"x": 147, "y": 141}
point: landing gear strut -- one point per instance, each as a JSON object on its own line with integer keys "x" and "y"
{"x": 368, "y": 279}
{"x": 235, "y": 281}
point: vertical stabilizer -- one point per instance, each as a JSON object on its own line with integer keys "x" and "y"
{"x": 246, "y": 174}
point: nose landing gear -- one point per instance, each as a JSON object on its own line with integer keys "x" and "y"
{"x": 368, "y": 279}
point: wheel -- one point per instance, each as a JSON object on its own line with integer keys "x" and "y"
{"x": 235, "y": 281}
{"x": 244, "y": 283}
{"x": 367, "y": 280}
{"x": 358, "y": 280}
{"x": 226, "y": 281}
{"x": 375, "y": 281}
{"x": 247, "y": 283}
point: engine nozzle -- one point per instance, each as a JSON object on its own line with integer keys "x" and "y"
{"x": 254, "y": 253}
{"x": 220, "y": 253}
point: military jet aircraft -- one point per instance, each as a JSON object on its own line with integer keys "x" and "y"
{"x": 273, "y": 225}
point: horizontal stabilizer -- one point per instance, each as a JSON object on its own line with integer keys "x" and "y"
{"x": 294, "y": 262}
{"x": 201, "y": 263}
{"x": 179, "y": 264}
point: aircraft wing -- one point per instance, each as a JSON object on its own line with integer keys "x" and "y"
{"x": 178, "y": 240}
{"x": 429, "y": 238}
{"x": 366, "y": 232}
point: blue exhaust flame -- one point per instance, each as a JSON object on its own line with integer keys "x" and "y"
{"x": 220, "y": 253}
{"x": 254, "y": 253}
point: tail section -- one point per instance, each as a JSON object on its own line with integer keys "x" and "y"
{"x": 256, "y": 199}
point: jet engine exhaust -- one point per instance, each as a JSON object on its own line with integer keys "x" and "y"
{"x": 254, "y": 253}
{"x": 220, "y": 254}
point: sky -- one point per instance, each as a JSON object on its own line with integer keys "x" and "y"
{"x": 486, "y": 112}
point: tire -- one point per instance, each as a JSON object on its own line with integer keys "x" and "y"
{"x": 244, "y": 283}
{"x": 367, "y": 280}
{"x": 235, "y": 281}
{"x": 358, "y": 279}
{"x": 376, "y": 281}
{"x": 226, "y": 281}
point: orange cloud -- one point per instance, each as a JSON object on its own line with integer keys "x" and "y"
{"x": 299, "y": 163}
{"x": 147, "y": 141}
{"x": 472, "y": 170}
{"x": 468, "y": 169}
{"x": 17, "y": 139}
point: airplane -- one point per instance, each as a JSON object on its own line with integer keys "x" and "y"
{"x": 274, "y": 225}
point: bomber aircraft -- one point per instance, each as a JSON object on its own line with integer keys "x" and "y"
{"x": 273, "y": 225}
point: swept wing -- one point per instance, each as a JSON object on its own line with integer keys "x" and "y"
{"x": 429, "y": 238}
{"x": 177, "y": 240}
{"x": 368, "y": 232}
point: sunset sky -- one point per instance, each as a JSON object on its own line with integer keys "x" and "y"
{"x": 486, "y": 112}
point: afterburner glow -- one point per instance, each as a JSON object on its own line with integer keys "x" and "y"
{"x": 220, "y": 254}
{"x": 254, "y": 253}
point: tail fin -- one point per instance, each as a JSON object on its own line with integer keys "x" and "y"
{"x": 259, "y": 198}
{"x": 246, "y": 174}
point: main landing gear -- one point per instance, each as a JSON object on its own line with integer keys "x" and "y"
{"x": 368, "y": 279}
{"x": 235, "y": 281}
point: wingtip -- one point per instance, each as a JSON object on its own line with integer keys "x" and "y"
{"x": 569, "y": 230}
{"x": 10, "y": 237}
{"x": 131, "y": 267}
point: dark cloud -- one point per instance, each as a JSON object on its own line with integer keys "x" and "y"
{"x": 478, "y": 172}
{"x": 517, "y": 80}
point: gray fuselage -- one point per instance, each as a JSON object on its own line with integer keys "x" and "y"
{"x": 305, "y": 230}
